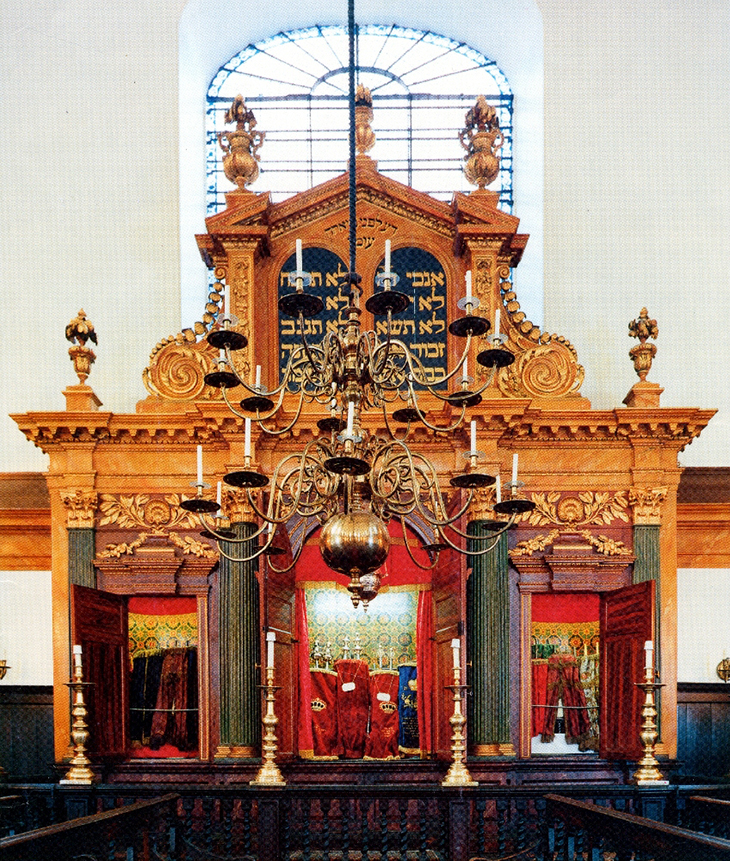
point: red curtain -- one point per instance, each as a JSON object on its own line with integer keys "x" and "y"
{"x": 170, "y": 720}
{"x": 563, "y": 683}
{"x": 539, "y": 695}
{"x": 324, "y": 713}
{"x": 304, "y": 729}
{"x": 424, "y": 666}
{"x": 382, "y": 740}
{"x": 353, "y": 702}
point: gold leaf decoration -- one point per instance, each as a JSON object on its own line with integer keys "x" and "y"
{"x": 546, "y": 370}
{"x": 587, "y": 508}
{"x": 177, "y": 372}
{"x": 115, "y": 551}
{"x": 154, "y": 513}
{"x": 604, "y": 545}
{"x": 191, "y": 546}
{"x": 533, "y": 545}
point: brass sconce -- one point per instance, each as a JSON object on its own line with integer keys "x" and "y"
{"x": 723, "y": 669}
{"x": 4, "y": 667}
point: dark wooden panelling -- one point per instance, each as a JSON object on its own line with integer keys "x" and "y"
{"x": 703, "y": 730}
{"x": 26, "y": 731}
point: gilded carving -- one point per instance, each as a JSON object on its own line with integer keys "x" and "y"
{"x": 642, "y": 354}
{"x": 177, "y": 372}
{"x": 646, "y": 503}
{"x": 482, "y": 139}
{"x": 81, "y": 329}
{"x": 364, "y": 135}
{"x": 547, "y": 370}
{"x": 584, "y": 509}
{"x": 482, "y": 502}
{"x": 80, "y": 508}
{"x": 237, "y": 506}
{"x": 241, "y": 159}
{"x": 192, "y": 547}
{"x": 605, "y": 546}
{"x": 125, "y": 548}
{"x": 153, "y": 513}
{"x": 534, "y": 545}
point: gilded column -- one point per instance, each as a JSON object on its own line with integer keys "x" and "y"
{"x": 239, "y": 626}
{"x": 487, "y": 642}
{"x": 80, "y": 510}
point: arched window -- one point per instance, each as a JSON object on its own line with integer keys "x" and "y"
{"x": 296, "y": 83}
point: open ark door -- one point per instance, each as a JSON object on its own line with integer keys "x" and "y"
{"x": 627, "y": 622}
{"x": 279, "y": 616}
{"x": 447, "y": 598}
{"x": 99, "y": 626}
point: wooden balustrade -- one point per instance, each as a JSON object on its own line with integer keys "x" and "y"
{"x": 578, "y": 827}
{"x": 129, "y": 832}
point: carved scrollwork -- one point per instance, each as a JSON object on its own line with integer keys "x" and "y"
{"x": 177, "y": 372}
{"x": 582, "y": 510}
{"x": 605, "y": 546}
{"x": 547, "y": 370}
{"x": 153, "y": 513}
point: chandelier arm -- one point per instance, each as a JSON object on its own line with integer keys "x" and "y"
{"x": 219, "y": 537}
{"x": 503, "y": 528}
{"x": 422, "y": 415}
{"x": 418, "y": 366}
{"x": 259, "y": 420}
{"x": 252, "y": 389}
{"x": 273, "y": 431}
{"x": 408, "y": 548}
{"x": 231, "y": 558}
{"x": 305, "y": 344}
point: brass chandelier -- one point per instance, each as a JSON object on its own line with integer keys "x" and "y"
{"x": 347, "y": 480}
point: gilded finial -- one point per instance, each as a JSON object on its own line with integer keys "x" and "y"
{"x": 81, "y": 330}
{"x": 240, "y": 162}
{"x": 364, "y": 135}
{"x": 482, "y": 138}
{"x": 642, "y": 354}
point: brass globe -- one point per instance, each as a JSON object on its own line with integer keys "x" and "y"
{"x": 358, "y": 540}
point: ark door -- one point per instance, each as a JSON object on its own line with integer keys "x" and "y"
{"x": 626, "y": 624}
{"x": 99, "y": 626}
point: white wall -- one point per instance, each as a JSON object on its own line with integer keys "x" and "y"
{"x": 26, "y": 627}
{"x": 703, "y": 627}
{"x": 637, "y": 167}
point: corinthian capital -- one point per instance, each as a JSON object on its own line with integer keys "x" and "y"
{"x": 646, "y": 503}
{"x": 80, "y": 507}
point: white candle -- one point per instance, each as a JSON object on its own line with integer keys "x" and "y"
{"x": 200, "y": 464}
{"x": 270, "y": 640}
{"x": 247, "y": 438}
{"x": 219, "y": 494}
{"x": 468, "y": 284}
{"x": 299, "y": 255}
{"x": 222, "y": 356}
{"x": 496, "y": 322}
{"x": 258, "y": 376}
{"x": 77, "y": 657}
{"x": 649, "y": 654}
{"x": 227, "y": 302}
{"x": 455, "y": 647}
{"x": 387, "y": 256}
{"x": 466, "y": 366}
{"x": 514, "y": 468}
{"x": 499, "y": 489}
{"x": 350, "y": 417}
{"x": 473, "y": 435}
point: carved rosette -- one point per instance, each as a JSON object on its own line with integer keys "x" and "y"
{"x": 646, "y": 503}
{"x": 584, "y": 509}
{"x": 81, "y": 508}
{"x": 154, "y": 514}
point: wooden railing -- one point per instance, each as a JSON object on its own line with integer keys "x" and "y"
{"x": 578, "y": 829}
{"x": 709, "y": 815}
{"x": 131, "y": 832}
{"x": 410, "y": 822}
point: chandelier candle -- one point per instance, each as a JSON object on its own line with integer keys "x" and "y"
{"x": 514, "y": 471}
{"x": 247, "y": 438}
{"x": 473, "y": 445}
{"x": 498, "y": 485}
{"x": 200, "y": 464}
{"x": 257, "y": 384}
{"x": 299, "y": 255}
{"x": 227, "y": 303}
{"x": 496, "y": 323}
{"x": 468, "y": 286}
{"x": 387, "y": 258}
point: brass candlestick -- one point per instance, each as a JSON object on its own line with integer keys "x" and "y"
{"x": 80, "y": 773}
{"x": 458, "y": 773}
{"x": 648, "y": 774}
{"x": 269, "y": 773}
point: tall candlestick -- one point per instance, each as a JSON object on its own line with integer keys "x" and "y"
{"x": 468, "y": 284}
{"x": 387, "y": 256}
{"x": 455, "y": 649}
{"x": 649, "y": 654}
{"x": 247, "y": 438}
{"x": 473, "y": 435}
{"x": 514, "y": 468}
{"x": 200, "y": 464}
{"x": 299, "y": 255}
{"x": 270, "y": 640}
{"x": 498, "y": 485}
{"x": 350, "y": 417}
{"x": 496, "y": 322}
